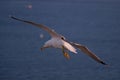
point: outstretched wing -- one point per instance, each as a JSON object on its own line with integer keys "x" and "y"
{"x": 88, "y": 52}
{"x": 50, "y": 31}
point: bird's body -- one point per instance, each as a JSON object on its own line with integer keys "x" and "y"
{"x": 54, "y": 42}
{"x": 58, "y": 41}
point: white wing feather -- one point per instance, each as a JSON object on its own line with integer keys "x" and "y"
{"x": 69, "y": 47}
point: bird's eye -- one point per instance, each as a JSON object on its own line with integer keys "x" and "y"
{"x": 62, "y": 38}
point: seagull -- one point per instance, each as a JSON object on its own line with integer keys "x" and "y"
{"x": 59, "y": 41}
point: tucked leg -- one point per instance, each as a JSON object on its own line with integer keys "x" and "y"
{"x": 65, "y": 54}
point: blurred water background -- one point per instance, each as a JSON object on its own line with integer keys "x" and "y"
{"x": 94, "y": 23}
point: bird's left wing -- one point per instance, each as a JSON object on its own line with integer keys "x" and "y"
{"x": 88, "y": 52}
{"x": 50, "y": 31}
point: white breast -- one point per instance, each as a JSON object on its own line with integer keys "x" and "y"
{"x": 54, "y": 42}
{"x": 59, "y": 43}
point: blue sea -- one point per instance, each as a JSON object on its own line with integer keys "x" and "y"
{"x": 93, "y": 23}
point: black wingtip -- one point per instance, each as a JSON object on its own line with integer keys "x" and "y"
{"x": 17, "y": 19}
{"x": 12, "y": 17}
{"x": 103, "y": 63}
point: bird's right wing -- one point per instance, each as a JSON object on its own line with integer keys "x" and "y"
{"x": 50, "y": 31}
{"x": 88, "y": 52}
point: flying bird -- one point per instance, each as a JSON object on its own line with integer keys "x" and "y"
{"x": 59, "y": 41}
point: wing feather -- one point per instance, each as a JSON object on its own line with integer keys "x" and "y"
{"x": 50, "y": 31}
{"x": 88, "y": 52}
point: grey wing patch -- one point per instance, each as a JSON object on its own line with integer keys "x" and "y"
{"x": 88, "y": 52}
{"x": 50, "y": 31}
